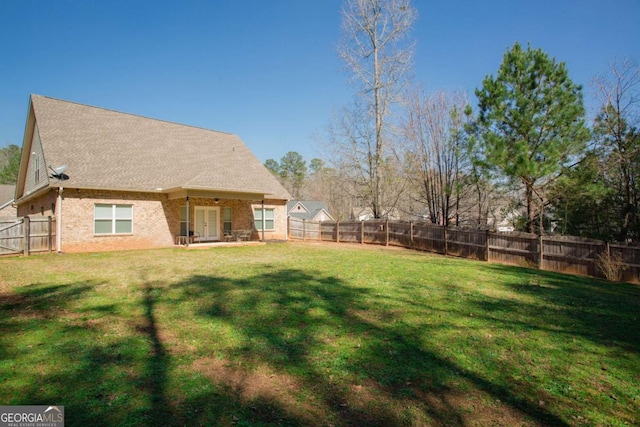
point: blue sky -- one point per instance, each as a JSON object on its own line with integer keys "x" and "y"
{"x": 268, "y": 70}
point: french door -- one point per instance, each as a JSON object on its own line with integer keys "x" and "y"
{"x": 207, "y": 223}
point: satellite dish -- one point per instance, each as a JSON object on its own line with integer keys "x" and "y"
{"x": 58, "y": 172}
{"x": 60, "y": 169}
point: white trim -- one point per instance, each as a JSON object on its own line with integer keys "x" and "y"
{"x": 206, "y": 229}
{"x": 114, "y": 219}
{"x": 59, "y": 221}
{"x": 264, "y": 219}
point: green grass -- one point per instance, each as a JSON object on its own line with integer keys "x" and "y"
{"x": 306, "y": 334}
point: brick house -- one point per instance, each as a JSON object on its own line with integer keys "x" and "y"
{"x": 114, "y": 180}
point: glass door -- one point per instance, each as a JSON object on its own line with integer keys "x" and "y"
{"x": 207, "y": 224}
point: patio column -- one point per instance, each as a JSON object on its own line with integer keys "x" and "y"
{"x": 188, "y": 225}
{"x": 264, "y": 221}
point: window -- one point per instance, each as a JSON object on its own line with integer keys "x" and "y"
{"x": 113, "y": 219}
{"x": 183, "y": 220}
{"x": 269, "y": 219}
{"x": 36, "y": 169}
{"x": 227, "y": 215}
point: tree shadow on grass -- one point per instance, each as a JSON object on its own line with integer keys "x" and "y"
{"x": 605, "y": 313}
{"x": 308, "y": 349}
{"x": 28, "y": 310}
{"x": 73, "y": 356}
{"x": 346, "y": 353}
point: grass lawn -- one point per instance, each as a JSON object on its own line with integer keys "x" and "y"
{"x": 304, "y": 334}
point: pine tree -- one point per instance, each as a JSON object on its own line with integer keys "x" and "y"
{"x": 530, "y": 122}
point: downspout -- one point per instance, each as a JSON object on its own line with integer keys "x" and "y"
{"x": 59, "y": 221}
{"x": 188, "y": 225}
{"x": 264, "y": 221}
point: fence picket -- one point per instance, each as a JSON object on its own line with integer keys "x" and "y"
{"x": 26, "y": 235}
{"x": 563, "y": 254}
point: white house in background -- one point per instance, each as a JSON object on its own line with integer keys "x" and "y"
{"x": 310, "y": 210}
{"x": 365, "y": 213}
{"x": 504, "y": 220}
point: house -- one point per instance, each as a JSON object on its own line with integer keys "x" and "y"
{"x": 7, "y": 209}
{"x": 503, "y": 215}
{"x": 365, "y": 213}
{"x": 309, "y": 210}
{"x": 114, "y": 180}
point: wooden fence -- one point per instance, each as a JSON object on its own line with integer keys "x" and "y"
{"x": 27, "y": 235}
{"x": 565, "y": 254}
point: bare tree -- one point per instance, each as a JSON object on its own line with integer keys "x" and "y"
{"x": 620, "y": 89}
{"x": 376, "y": 49}
{"x": 326, "y": 183}
{"x": 434, "y": 152}
{"x": 617, "y": 137}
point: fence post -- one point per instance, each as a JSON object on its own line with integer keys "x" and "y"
{"x": 304, "y": 230}
{"x": 411, "y": 234}
{"x": 362, "y": 232}
{"x": 26, "y": 230}
{"x": 338, "y": 232}
{"x": 446, "y": 242}
{"x": 540, "y": 253}
{"x": 486, "y": 245}
{"x": 50, "y": 234}
{"x": 386, "y": 226}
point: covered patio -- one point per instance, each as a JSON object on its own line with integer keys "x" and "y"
{"x": 207, "y": 218}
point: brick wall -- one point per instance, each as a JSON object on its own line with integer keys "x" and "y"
{"x": 41, "y": 206}
{"x": 8, "y": 212}
{"x": 242, "y": 218}
{"x": 156, "y": 219}
{"x": 280, "y": 214}
{"x": 150, "y": 222}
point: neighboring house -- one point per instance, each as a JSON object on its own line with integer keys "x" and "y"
{"x": 504, "y": 223}
{"x": 310, "y": 210}
{"x": 366, "y": 214}
{"x": 7, "y": 209}
{"x": 119, "y": 181}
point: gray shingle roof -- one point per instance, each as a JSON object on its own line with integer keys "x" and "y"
{"x": 106, "y": 149}
{"x": 313, "y": 207}
{"x": 6, "y": 193}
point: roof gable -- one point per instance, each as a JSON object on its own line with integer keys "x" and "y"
{"x": 296, "y": 206}
{"x": 106, "y": 149}
{"x": 308, "y": 209}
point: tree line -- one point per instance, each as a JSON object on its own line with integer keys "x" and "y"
{"x": 9, "y": 164}
{"x": 524, "y": 151}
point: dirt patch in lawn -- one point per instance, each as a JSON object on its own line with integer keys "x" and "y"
{"x": 329, "y": 404}
{"x": 261, "y": 386}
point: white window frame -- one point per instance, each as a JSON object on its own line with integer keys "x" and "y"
{"x": 227, "y": 224}
{"x": 113, "y": 218}
{"x": 270, "y": 215}
{"x": 183, "y": 220}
